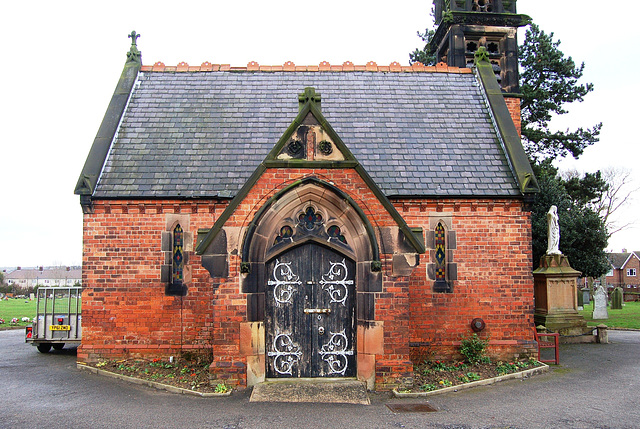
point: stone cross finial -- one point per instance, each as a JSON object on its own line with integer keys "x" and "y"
{"x": 134, "y": 37}
{"x": 309, "y": 94}
{"x": 134, "y": 54}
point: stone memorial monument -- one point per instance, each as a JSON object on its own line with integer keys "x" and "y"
{"x": 555, "y": 287}
{"x": 553, "y": 232}
{"x": 600, "y": 304}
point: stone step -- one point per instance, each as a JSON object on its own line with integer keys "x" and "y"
{"x": 345, "y": 391}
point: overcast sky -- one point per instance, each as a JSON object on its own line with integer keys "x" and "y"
{"x": 62, "y": 61}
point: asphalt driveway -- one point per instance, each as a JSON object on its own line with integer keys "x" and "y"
{"x": 596, "y": 386}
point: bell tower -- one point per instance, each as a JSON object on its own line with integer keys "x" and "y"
{"x": 466, "y": 25}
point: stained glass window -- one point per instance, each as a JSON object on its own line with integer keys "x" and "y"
{"x": 334, "y": 232}
{"x": 178, "y": 256}
{"x": 286, "y": 232}
{"x": 310, "y": 219}
{"x": 440, "y": 253}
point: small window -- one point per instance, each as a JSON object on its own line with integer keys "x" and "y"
{"x": 631, "y": 272}
{"x": 175, "y": 272}
{"x": 441, "y": 284}
{"x": 177, "y": 277}
{"x": 440, "y": 253}
{"x": 610, "y": 273}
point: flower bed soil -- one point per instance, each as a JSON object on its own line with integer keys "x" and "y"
{"x": 428, "y": 376}
{"x": 179, "y": 373}
{"x": 434, "y": 375}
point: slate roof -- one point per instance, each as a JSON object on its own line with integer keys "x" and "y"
{"x": 202, "y": 134}
{"x": 47, "y": 273}
{"x": 618, "y": 260}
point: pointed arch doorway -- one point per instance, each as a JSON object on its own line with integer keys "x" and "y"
{"x": 309, "y": 313}
{"x": 311, "y": 220}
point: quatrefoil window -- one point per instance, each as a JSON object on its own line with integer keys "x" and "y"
{"x": 295, "y": 146}
{"x": 310, "y": 219}
{"x": 326, "y": 148}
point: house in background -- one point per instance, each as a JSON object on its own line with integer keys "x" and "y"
{"x": 44, "y": 276}
{"x": 625, "y": 272}
{"x": 311, "y": 221}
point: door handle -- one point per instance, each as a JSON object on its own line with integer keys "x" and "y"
{"x": 317, "y": 310}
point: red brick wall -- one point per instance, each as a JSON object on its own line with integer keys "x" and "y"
{"x": 494, "y": 278}
{"x": 126, "y": 312}
{"x": 513, "y": 104}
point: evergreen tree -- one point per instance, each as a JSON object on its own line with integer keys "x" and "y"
{"x": 426, "y": 55}
{"x": 548, "y": 81}
{"x": 583, "y": 234}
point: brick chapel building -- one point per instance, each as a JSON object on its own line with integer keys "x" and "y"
{"x": 313, "y": 221}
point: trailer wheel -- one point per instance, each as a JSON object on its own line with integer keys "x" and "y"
{"x": 58, "y": 346}
{"x": 44, "y": 347}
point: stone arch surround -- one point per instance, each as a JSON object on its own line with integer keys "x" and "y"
{"x": 361, "y": 246}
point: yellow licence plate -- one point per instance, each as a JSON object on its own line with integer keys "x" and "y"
{"x": 60, "y": 327}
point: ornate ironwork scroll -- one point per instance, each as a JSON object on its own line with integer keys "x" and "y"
{"x": 335, "y": 282}
{"x": 286, "y": 354}
{"x": 335, "y": 353}
{"x": 284, "y": 283}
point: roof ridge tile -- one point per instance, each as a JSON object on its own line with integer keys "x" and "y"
{"x": 324, "y": 66}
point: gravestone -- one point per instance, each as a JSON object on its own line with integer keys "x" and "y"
{"x": 586, "y": 297}
{"x": 580, "y": 301}
{"x": 617, "y": 298}
{"x": 600, "y": 304}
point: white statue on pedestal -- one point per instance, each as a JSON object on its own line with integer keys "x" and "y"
{"x": 553, "y": 232}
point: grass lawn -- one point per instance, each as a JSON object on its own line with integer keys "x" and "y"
{"x": 17, "y": 308}
{"x": 628, "y": 317}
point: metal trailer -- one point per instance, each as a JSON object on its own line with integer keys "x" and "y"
{"x": 58, "y": 318}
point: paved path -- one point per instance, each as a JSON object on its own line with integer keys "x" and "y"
{"x": 597, "y": 386}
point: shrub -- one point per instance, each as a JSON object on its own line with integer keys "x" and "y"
{"x": 221, "y": 388}
{"x": 473, "y": 348}
{"x": 428, "y": 387}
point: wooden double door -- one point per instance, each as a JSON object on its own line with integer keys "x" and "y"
{"x": 309, "y": 314}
